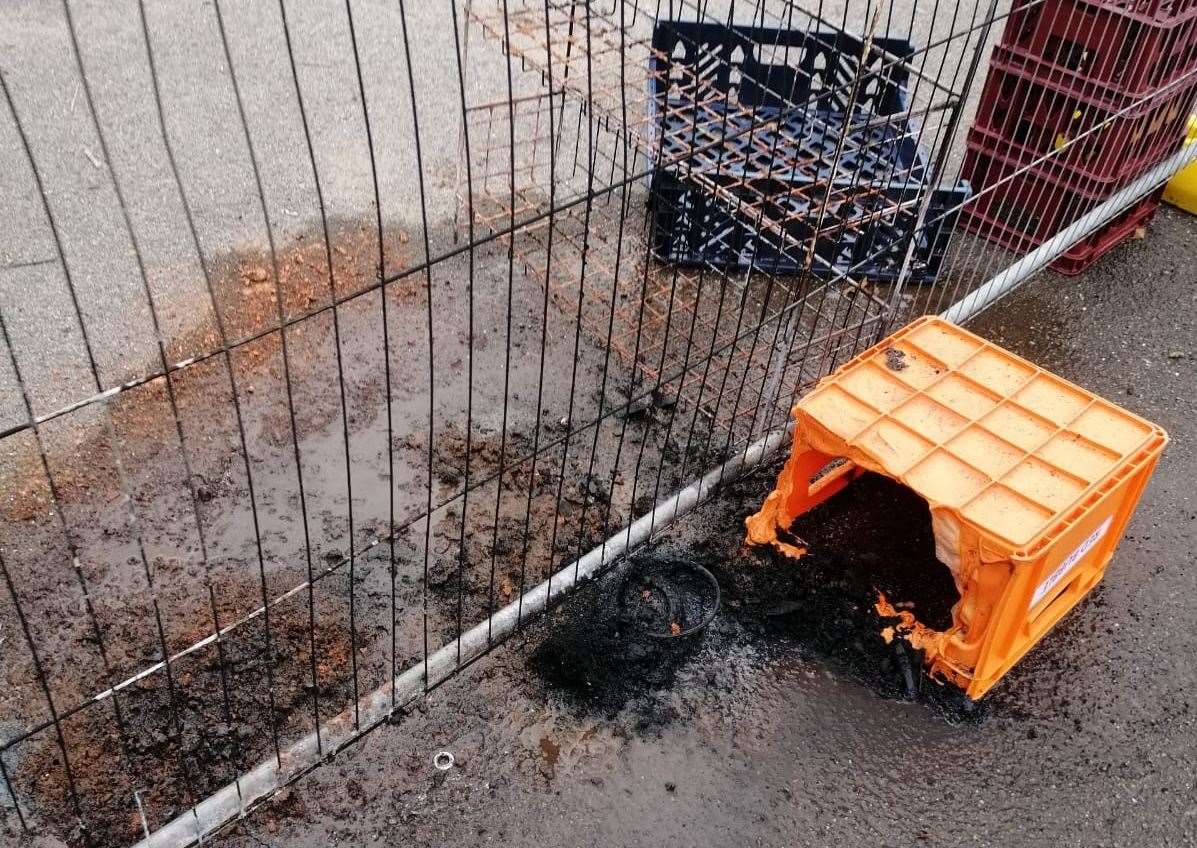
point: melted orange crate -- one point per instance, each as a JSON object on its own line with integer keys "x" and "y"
{"x": 1030, "y": 480}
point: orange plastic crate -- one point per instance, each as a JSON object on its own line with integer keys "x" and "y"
{"x": 1030, "y": 480}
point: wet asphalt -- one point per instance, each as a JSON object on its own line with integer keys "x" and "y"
{"x": 1089, "y": 741}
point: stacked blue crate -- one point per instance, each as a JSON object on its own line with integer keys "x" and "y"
{"x": 749, "y": 120}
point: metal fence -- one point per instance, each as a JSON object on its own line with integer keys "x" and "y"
{"x": 343, "y": 338}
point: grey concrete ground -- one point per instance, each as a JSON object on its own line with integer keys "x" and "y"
{"x": 201, "y": 118}
{"x": 215, "y": 168}
{"x": 1089, "y": 741}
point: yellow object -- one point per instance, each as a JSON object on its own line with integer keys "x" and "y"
{"x": 1063, "y": 138}
{"x": 1182, "y": 188}
{"x": 1030, "y": 480}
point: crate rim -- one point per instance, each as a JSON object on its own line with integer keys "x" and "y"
{"x": 1039, "y": 71}
{"x": 1156, "y": 20}
{"x": 1153, "y": 443}
{"x": 1035, "y": 168}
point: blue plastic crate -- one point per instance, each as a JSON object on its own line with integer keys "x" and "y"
{"x": 691, "y": 227}
{"x": 758, "y": 112}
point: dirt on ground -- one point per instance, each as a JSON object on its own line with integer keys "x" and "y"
{"x": 245, "y": 292}
{"x": 181, "y": 736}
{"x": 252, "y": 551}
{"x": 491, "y": 547}
{"x": 189, "y": 733}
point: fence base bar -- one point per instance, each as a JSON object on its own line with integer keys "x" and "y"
{"x": 256, "y": 786}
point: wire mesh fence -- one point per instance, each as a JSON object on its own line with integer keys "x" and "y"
{"x": 339, "y": 335}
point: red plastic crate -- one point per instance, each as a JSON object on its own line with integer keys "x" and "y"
{"x": 1110, "y": 45}
{"x": 1024, "y": 208}
{"x": 1084, "y": 253}
{"x": 1034, "y": 117}
{"x": 1151, "y": 10}
{"x": 1028, "y": 208}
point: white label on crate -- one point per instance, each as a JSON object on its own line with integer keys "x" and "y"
{"x": 1059, "y": 572}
